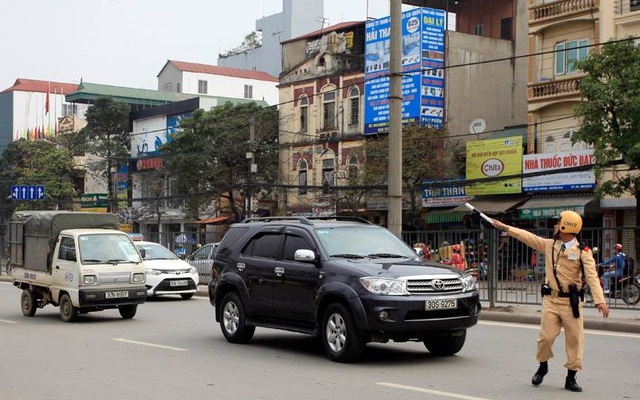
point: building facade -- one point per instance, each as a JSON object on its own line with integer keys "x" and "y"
{"x": 263, "y": 53}
{"x": 210, "y": 80}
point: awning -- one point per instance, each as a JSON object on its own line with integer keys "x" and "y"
{"x": 551, "y": 206}
{"x": 215, "y": 220}
{"x": 493, "y": 204}
{"x": 443, "y": 216}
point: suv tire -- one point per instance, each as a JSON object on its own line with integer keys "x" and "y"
{"x": 233, "y": 321}
{"x": 339, "y": 337}
{"x": 446, "y": 345}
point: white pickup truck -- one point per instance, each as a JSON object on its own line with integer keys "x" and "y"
{"x": 78, "y": 261}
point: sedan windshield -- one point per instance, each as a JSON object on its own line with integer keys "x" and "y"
{"x": 155, "y": 251}
{"x": 363, "y": 242}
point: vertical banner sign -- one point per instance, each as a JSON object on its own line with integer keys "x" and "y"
{"x": 423, "y": 32}
{"x": 492, "y": 159}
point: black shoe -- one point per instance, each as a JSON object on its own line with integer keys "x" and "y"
{"x": 539, "y": 375}
{"x": 571, "y": 384}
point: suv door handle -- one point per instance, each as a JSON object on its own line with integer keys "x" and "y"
{"x": 279, "y": 271}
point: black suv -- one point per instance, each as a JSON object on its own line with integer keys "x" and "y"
{"x": 343, "y": 279}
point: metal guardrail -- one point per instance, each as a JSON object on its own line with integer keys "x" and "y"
{"x": 511, "y": 272}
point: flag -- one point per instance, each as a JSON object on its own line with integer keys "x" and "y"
{"x": 46, "y": 102}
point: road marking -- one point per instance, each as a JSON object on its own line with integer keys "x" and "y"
{"x": 159, "y": 346}
{"x": 6, "y": 321}
{"x": 537, "y": 327}
{"x": 430, "y": 391}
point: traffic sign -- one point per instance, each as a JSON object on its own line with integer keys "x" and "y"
{"x": 27, "y": 192}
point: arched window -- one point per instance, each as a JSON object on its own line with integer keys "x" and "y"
{"x": 352, "y": 166}
{"x": 302, "y": 177}
{"x": 549, "y": 145}
{"x": 565, "y": 142}
{"x": 354, "y": 106}
{"x": 328, "y": 169}
{"x": 329, "y": 110}
{"x": 304, "y": 114}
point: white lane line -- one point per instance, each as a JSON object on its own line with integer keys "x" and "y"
{"x": 159, "y": 346}
{"x": 430, "y": 391}
{"x": 586, "y": 331}
{"x": 6, "y": 321}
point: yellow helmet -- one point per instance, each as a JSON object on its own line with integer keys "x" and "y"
{"x": 570, "y": 222}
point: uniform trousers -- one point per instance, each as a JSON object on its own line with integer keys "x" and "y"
{"x": 556, "y": 314}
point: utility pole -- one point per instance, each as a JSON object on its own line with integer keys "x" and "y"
{"x": 394, "y": 195}
{"x": 251, "y": 167}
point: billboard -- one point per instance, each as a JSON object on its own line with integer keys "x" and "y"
{"x": 491, "y": 159}
{"x": 149, "y": 134}
{"x": 423, "y": 31}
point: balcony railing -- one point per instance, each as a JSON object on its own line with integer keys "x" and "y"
{"x": 561, "y": 9}
{"x": 626, "y": 6}
{"x": 551, "y": 89}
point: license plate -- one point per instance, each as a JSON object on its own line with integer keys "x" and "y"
{"x": 178, "y": 283}
{"x": 441, "y": 304}
{"x": 116, "y": 295}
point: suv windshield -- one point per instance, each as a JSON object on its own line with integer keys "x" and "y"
{"x": 362, "y": 241}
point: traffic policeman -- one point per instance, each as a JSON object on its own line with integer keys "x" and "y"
{"x": 565, "y": 264}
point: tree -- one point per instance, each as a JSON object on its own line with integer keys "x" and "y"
{"x": 208, "y": 154}
{"x": 427, "y": 154}
{"x": 107, "y": 135}
{"x": 609, "y": 118}
{"x": 38, "y": 162}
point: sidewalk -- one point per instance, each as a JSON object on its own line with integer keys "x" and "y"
{"x": 620, "y": 320}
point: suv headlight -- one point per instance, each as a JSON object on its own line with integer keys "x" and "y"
{"x": 193, "y": 271}
{"x": 385, "y": 287}
{"x": 469, "y": 283}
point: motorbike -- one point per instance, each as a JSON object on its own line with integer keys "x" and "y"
{"x": 625, "y": 287}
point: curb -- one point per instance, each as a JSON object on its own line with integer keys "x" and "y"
{"x": 507, "y": 314}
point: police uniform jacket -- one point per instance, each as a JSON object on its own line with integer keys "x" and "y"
{"x": 568, "y": 267}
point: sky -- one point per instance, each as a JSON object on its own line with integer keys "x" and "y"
{"x": 127, "y": 42}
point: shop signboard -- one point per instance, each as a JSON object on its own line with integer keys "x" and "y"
{"x": 543, "y": 165}
{"x": 423, "y": 32}
{"x": 490, "y": 160}
{"x": 443, "y": 193}
{"x": 549, "y": 212}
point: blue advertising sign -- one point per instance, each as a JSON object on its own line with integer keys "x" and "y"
{"x": 423, "y": 31}
{"x": 27, "y": 192}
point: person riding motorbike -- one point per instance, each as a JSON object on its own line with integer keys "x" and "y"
{"x": 456, "y": 258}
{"x": 615, "y": 267}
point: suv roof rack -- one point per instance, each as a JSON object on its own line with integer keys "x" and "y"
{"x": 306, "y": 220}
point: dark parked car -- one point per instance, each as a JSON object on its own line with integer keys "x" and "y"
{"x": 345, "y": 280}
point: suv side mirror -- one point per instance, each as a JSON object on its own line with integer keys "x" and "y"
{"x": 304, "y": 255}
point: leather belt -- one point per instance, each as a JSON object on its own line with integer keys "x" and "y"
{"x": 555, "y": 293}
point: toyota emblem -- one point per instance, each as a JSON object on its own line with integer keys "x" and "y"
{"x": 437, "y": 284}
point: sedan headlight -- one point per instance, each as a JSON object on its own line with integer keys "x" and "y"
{"x": 469, "y": 283}
{"x": 153, "y": 271}
{"x": 385, "y": 286}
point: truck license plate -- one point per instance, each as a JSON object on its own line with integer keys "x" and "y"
{"x": 116, "y": 295}
{"x": 178, "y": 283}
{"x": 441, "y": 304}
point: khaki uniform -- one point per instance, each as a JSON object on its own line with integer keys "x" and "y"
{"x": 556, "y": 311}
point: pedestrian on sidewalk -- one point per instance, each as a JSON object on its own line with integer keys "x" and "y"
{"x": 566, "y": 263}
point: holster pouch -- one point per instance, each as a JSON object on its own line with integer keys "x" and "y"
{"x": 574, "y": 300}
{"x": 545, "y": 290}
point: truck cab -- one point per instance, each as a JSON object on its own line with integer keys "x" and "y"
{"x": 78, "y": 261}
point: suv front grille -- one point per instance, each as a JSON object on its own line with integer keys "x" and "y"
{"x": 434, "y": 285}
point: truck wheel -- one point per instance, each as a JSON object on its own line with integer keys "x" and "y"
{"x": 128, "y": 312}
{"x": 339, "y": 337}
{"x": 232, "y": 321}
{"x": 446, "y": 345}
{"x": 68, "y": 312}
{"x": 29, "y": 302}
